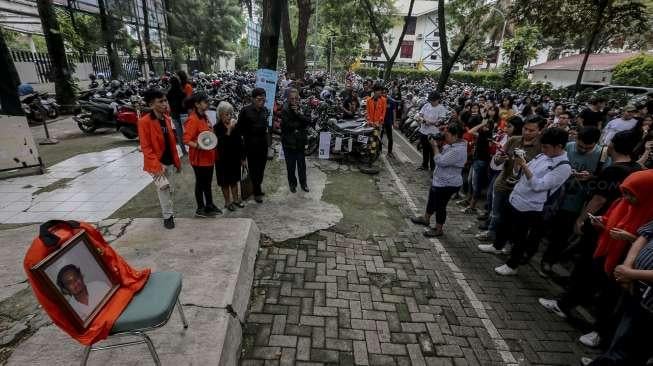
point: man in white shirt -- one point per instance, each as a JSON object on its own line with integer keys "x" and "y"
{"x": 82, "y": 297}
{"x": 540, "y": 178}
{"x": 431, "y": 113}
{"x": 626, "y": 122}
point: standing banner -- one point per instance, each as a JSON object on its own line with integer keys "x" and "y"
{"x": 267, "y": 79}
{"x": 325, "y": 145}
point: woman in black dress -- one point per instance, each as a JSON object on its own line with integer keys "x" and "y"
{"x": 230, "y": 156}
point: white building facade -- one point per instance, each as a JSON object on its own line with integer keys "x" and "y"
{"x": 421, "y": 44}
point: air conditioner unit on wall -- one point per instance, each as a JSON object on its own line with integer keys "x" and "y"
{"x": 420, "y": 36}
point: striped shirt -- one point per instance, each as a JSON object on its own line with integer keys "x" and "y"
{"x": 449, "y": 165}
{"x": 644, "y": 259}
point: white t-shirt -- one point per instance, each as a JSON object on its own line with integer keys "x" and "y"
{"x": 431, "y": 116}
{"x": 615, "y": 126}
{"x": 96, "y": 291}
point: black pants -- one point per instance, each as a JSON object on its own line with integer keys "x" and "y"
{"x": 631, "y": 344}
{"x": 203, "y": 178}
{"x": 437, "y": 203}
{"x": 518, "y": 227}
{"x": 427, "y": 152}
{"x": 295, "y": 160}
{"x": 257, "y": 157}
{"x": 387, "y": 130}
{"x": 560, "y": 229}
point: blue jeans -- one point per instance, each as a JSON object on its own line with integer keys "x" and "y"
{"x": 500, "y": 206}
{"x": 478, "y": 177}
{"x": 492, "y": 175}
{"x": 179, "y": 131}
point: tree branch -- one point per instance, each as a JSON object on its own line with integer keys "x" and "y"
{"x": 403, "y": 31}
{"x": 375, "y": 28}
{"x": 442, "y": 29}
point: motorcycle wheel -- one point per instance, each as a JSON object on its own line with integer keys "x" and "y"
{"x": 129, "y": 132}
{"x": 370, "y": 156}
{"x": 86, "y": 125}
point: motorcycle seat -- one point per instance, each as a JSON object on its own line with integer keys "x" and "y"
{"x": 101, "y": 106}
{"x": 360, "y": 130}
{"x": 346, "y": 124}
{"x": 103, "y": 100}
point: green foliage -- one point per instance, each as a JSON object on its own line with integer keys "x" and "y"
{"x": 85, "y": 37}
{"x": 520, "y": 48}
{"x": 566, "y": 24}
{"x": 483, "y": 78}
{"x": 209, "y": 26}
{"x": 18, "y": 41}
{"x": 635, "y": 71}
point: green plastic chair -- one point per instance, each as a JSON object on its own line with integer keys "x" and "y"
{"x": 150, "y": 308}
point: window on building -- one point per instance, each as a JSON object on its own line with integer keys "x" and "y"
{"x": 434, "y": 56}
{"x": 436, "y": 44}
{"x": 411, "y": 26}
{"x": 406, "y": 49}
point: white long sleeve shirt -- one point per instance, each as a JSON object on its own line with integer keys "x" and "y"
{"x": 531, "y": 194}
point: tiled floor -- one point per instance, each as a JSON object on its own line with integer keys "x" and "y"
{"x": 91, "y": 196}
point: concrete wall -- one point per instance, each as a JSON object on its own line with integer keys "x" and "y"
{"x": 562, "y": 78}
{"x": 27, "y": 72}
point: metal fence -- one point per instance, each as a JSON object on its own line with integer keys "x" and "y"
{"x": 131, "y": 66}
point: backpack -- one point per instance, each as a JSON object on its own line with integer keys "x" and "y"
{"x": 554, "y": 199}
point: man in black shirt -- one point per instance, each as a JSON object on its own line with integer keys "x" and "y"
{"x": 594, "y": 114}
{"x": 253, "y": 126}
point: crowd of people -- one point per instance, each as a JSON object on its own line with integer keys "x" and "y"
{"x": 578, "y": 187}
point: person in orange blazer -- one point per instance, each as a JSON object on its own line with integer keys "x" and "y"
{"x": 159, "y": 147}
{"x": 376, "y": 106}
{"x": 201, "y": 160}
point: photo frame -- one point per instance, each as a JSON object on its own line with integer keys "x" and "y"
{"x": 78, "y": 279}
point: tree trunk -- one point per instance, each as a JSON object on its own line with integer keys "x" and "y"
{"x": 448, "y": 65}
{"x": 177, "y": 57}
{"x": 62, "y": 71}
{"x": 9, "y": 100}
{"x": 146, "y": 35}
{"x": 268, "y": 50}
{"x": 108, "y": 36}
{"x": 296, "y": 49}
{"x": 588, "y": 50}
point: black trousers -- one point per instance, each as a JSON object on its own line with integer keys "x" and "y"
{"x": 257, "y": 158}
{"x": 387, "y": 130}
{"x": 518, "y": 227}
{"x": 295, "y": 160}
{"x": 437, "y": 202}
{"x": 203, "y": 178}
{"x": 560, "y": 229}
{"x": 427, "y": 152}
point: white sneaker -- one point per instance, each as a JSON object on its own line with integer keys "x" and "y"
{"x": 552, "y": 305}
{"x": 591, "y": 339}
{"x": 585, "y": 361}
{"x": 505, "y": 270}
{"x": 488, "y": 248}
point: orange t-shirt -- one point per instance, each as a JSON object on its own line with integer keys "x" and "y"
{"x": 188, "y": 89}
{"x": 375, "y": 110}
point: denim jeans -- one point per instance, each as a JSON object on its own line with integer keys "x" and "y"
{"x": 492, "y": 175}
{"x": 478, "y": 177}
{"x": 179, "y": 131}
{"x": 499, "y": 209}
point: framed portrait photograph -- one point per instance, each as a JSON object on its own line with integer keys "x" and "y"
{"x": 78, "y": 279}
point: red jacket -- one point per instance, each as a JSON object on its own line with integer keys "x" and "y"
{"x": 153, "y": 143}
{"x": 193, "y": 126}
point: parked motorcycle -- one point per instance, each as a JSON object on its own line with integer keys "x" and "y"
{"x": 38, "y": 107}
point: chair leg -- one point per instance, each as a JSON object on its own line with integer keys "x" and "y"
{"x": 87, "y": 352}
{"x": 150, "y": 346}
{"x": 181, "y": 313}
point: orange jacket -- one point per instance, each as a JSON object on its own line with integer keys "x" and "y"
{"x": 193, "y": 126}
{"x": 153, "y": 143}
{"x": 188, "y": 89}
{"x": 375, "y": 110}
{"x": 130, "y": 280}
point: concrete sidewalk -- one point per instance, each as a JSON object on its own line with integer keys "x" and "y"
{"x": 216, "y": 258}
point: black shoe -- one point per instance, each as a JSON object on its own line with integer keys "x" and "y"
{"x": 231, "y": 207}
{"x": 169, "y": 223}
{"x": 419, "y": 220}
{"x": 239, "y": 204}
{"x": 201, "y": 212}
{"x": 432, "y": 233}
{"x": 293, "y": 189}
{"x": 482, "y": 217}
{"x": 258, "y": 199}
{"x": 305, "y": 189}
{"x": 213, "y": 209}
{"x": 421, "y": 168}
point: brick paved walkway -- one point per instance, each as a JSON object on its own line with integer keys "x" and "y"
{"x": 330, "y": 299}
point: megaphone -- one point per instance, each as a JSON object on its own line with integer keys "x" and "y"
{"x": 207, "y": 140}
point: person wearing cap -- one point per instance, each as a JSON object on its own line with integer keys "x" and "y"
{"x": 627, "y": 121}
{"x": 431, "y": 113}
{"x": 160, "y": 157}
{"x": 200, "y": 159}
{"x": 376, "y": 107}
